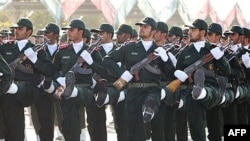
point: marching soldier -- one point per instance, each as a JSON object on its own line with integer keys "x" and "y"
{"x": 26, "y": 78}
{"x": 5, "y": 81}
{"x": 124, "y": 35}
{"x": 200, "y": 91}
{"x": 74, "y": 82}
{"x": 213, "y": 115}
{"x": 45, "y": 102}
{"x": 144, "y": 90}
{"x": 96, "y": 111}
{"x": 166, "y": 111}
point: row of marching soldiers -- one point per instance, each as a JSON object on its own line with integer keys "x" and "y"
{"x": 156, "y": 85}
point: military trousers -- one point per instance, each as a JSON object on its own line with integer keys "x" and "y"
{"x": 71, "y": 124}
{"x": 13, "y": 109}
{"x": 134, "y": 102}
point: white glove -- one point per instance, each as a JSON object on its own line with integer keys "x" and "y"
{"x": 87, "y": 57}
{"x": 246, "y": 59}
{"x": 172, "y": 58}
{"x": 1, "y": 74}
{"x": 127, "y": 76}
{"x": 12, "y": 89}
{"x": 31, "y": 55}
{"x": 181, "y": 75}
{"x": 61, "y": 81}
{"x": 217, "y": 53}
{"x": 162, "y": 53}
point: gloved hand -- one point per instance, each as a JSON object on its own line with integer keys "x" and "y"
{"x": 87, "y": 57}
{"x": 246, "y": 59}
{"x": 61, "y": 81}
{"x": 181, "y": 75}
{"x": 31, "y": 55}
{"x": 127, "y": 76}
{"x": 162, "y": 53}
{"x": 217, "y": 53}
{"x": 1, "y": 74}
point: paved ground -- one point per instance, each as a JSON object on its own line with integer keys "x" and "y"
{"x": 31, "y": 136}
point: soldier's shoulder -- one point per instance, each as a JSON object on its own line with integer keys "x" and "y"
{"x": 64, "y": 46}
{"x": 8, "y": 42}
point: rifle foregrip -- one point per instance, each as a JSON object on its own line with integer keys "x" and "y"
{"x": 174, "y": 85}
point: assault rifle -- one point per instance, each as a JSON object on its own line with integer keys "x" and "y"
{"x": 119, "y": 84}
{"x": 17, "y": 63}
{"x": 193, "y": 67}
{"x": 77, "y": 66}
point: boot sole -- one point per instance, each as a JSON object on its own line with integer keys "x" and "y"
{"x": 199, "y": 79}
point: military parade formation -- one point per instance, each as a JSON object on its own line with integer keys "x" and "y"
{"x": 161, "y": 82}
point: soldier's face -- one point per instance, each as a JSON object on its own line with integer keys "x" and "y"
{"x": 106, "y": 37}
{"x": 211, "y": 37}
{"x": 194, "y": 34}
{"x": 145, "y": 31}
{"x": 158, "y": 36}
{"x": 235, "y": 37}
{"x": 121, "y": 38}
{"x": 75, "y": 34}
{"x": 22, "y": 33}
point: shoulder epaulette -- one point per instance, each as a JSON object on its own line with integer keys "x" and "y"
{"x": 64, "y": 45}
{"x": 8, "y": 41}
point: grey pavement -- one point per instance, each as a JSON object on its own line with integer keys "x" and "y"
{"x": 31, "y": 136}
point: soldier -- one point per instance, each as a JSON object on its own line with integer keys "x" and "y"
{"x": 96, "y": 118}
{"x": 5, "y": 81}
{"x": 174, "y": 34}
{"x": 144, "y": 90}
{"x": 74, "y": 87}
{"x": 213, "y": 115}
{"x": 124, "y": 35}
{"x": 166, "y": 112}
{"x": 200, "y": 93}
{"x": 134, "y": 36}
{"x": 86, "y": 40}
{"x": 27, "y": 75}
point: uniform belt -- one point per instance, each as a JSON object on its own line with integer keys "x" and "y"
{"x": 82, "y": 85}
{"x": 141, "y": 85}
{"x": 186, "y": 86}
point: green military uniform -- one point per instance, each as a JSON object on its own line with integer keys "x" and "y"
{"x": 5, "y": 80}
{"x": 196, "y": 109}
{"x": 243, "y": 88}
{"x": 96, "y": 112}
{"x": 45, "y": 101}
{"x": 28, "y": 85}
{"x": 63, "y": 62}
{"x": 139, "y": 91}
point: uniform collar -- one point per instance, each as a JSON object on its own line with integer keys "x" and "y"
{"x": 108, "y": 47}
{"x": 147, "y": 44}
{"x": 22, "y": 43}
{"x": 198, "y": 45}
{"x": 77, "y": 46}
{"x": 52, "y": 48}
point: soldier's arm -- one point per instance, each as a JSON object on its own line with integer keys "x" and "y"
{"x": 43, "y": 65}
{"x": 57, "y": 66}
{"x": 223, "y": 65}
{"x": 110, "y": 61}
{"x": 6, "y": 77}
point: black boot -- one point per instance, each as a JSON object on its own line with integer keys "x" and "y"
{"x": 101, "y": 92}
{"x": 223, "y": 85}
{"x": 199, "y": 79}
{"x": 148, "y": 109}
{"x": 70, "y": 84}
